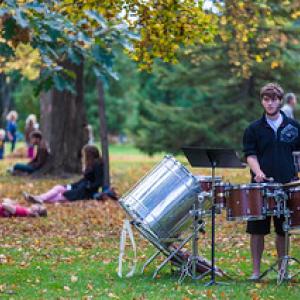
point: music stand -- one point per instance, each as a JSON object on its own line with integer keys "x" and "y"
{"x": 212, "y": 158}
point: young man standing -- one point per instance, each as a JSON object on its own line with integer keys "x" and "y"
{"x": 268, "y": 145}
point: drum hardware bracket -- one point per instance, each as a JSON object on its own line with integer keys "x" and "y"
{"x": 175, "y": 251}
{"x": 283, "y": 272}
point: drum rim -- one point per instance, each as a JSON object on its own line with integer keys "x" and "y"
{"x": 247, "y": 186}
{"x": 222, "y": 183}
{"x": 254, "y": 185}
{"x": 199, "y": 177}
{"x": 247, "y": 218}
{"x": 175, "y": 161}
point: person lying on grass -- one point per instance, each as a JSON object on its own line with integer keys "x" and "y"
{"x": 9, "y": 208}
{"x": 85, "y": 188}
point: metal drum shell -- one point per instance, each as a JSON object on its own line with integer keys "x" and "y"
{"x": 161, "y": 200}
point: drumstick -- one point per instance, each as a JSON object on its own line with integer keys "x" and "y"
{"x": 291, "y": 184}
{"x": 270, "y": 179}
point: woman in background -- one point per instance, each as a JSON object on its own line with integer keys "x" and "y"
{"x": 85, "y": 188}
{"x": 30, "y": 126}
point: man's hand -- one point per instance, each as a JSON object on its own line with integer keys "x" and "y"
{"x": 260, "y": 177}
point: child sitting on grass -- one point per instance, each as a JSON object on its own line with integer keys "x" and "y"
{"x": 9, "y": 208}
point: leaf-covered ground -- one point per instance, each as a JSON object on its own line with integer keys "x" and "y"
{"x": 73, "y": 253}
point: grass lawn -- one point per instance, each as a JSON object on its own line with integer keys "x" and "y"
{"x": 73, "y": 253}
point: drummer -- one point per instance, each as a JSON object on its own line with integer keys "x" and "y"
{"x": 268, "y": 145}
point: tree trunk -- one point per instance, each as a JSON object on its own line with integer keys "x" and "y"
{"x": 103, "y": 134}
{"x": 63, "y": 119}
{"x": 5, "y": 98}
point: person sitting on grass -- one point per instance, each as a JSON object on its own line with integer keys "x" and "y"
{"x": 85, "y": 188}
{"x": 40, "y": 159}
{"x": 9, "y": 208}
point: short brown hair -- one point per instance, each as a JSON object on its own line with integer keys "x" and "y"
{"x": 36, "y": 134}
{"x": 271, "y": 90}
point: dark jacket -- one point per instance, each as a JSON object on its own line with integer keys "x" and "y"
{"x": 41, "y": 157}
{"x": 273, "y": 151}
{"x": 86, "y": 187}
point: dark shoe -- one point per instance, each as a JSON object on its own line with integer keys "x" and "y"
{"x": 31, "y": 199}
{"x": 113, "y": 195}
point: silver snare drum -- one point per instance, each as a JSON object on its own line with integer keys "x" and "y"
{"x": 161, "y": 201}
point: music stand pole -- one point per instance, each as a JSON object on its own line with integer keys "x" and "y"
{"x": 213, "y": 223}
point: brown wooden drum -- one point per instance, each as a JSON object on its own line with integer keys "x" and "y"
{"x": 245, "y": 202}
{"x": 205, "y": 182}
{"x": 294, "y": 207}
{"x": 221, "y": 192}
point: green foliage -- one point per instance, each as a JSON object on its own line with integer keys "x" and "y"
{"x": 122, "y": 97}
{"x": 224, "y": 86}
{"x": 59, "y": 37}
{"x": 26, "y": 102}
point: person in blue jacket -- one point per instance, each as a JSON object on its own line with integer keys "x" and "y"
{"x": 11, "y": 128}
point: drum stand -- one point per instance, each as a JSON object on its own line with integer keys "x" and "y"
{"x": 283, "y": 262}
{"x": 190, "y": 267}
{"x": 165, "y": 249}
{"x": 212, "y": 158}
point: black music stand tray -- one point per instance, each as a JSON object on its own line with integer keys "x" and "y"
{"x": 213, "y": 158}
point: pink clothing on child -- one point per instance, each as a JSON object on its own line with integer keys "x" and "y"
{"x": 30, "y": 151}
{"x": 21, "y": 211}
{"x": 54, "y": 195}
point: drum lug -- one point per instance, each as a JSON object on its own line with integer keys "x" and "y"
{"x": 285, "y": 226}
{"x": 229, "y": 214}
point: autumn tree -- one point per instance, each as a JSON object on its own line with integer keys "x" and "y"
{"x": 212, "y": 94}
{"x": 62, "y": 35}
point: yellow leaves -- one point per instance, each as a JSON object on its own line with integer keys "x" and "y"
{"x": 258, "y": 58}
{"x": 3, "y": 259}
{"x": 113, "y": 296}
{"x": 27, "y": 60}
{"x": 168, "y": 24}
{"x": 67, "y": 288}
{"x": 223, "y": 20}
{"x": 296, "y": 14}
{"x": 74, "y": 278}
{"x": 275, "y": 64}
